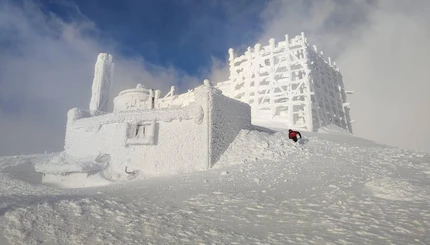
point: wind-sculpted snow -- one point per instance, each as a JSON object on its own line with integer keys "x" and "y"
{"x": 396, "y": 189}
{"x": 331, "y": 189}
{"x": 64, "y": 163}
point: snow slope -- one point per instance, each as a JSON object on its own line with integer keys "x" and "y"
{"x": 331, "y": 188}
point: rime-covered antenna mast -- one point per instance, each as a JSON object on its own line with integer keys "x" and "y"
{"x": 289, "y": 83}
{"x": 101, "y": 84}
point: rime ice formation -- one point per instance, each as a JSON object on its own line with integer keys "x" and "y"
{"x": 153, "y": 135}
{"x": 137, "y": 98}
{"x": 286, "y": 85}
{"x": 101, "y": 83}
{"x": 289, "y": 83}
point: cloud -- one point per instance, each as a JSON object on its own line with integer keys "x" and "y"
{"x": 47, "y": 67}
{"x": 382, "y": 50}
{"x": 388, "y": 70}
{"x": 331, "y": 24}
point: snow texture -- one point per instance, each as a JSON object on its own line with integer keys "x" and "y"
{"x": 328, "y": 189}
{"x": 57, "y": 164}
{"x": 289, "y": 83}
{"x": 256, "y": 146}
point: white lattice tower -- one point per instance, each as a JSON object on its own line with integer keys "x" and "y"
{"x": 289, "y": 83}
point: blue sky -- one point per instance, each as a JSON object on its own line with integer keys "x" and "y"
{"x": 48, "y": 49}
{"x": 185, "y": 34}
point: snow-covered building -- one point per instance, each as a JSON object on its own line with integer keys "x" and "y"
{"x": 290, "y": 85}
{"x": 155, "y": 135}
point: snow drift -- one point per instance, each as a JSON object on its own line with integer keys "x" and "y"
{"x": 331, "y": 188}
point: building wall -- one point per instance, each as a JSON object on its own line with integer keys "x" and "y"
{"x": 167, "y": 141}
{"x": 173, "y": 140}
{"x": 228, "y": 117}
{"x": 179, "y": 147}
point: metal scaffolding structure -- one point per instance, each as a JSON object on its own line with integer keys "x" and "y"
{"x": 289, "y": 83}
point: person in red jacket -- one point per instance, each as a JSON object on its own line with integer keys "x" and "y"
{"x": 293, "y": 135}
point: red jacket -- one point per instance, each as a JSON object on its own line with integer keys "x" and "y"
{"x": 293, "y": 134}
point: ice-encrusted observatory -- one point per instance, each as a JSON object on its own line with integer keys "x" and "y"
{"x": 289, "y": 84}
{"x": 330, "y": 187}
{"x": 283, "y": 85}
{"x": 152, "y": 134}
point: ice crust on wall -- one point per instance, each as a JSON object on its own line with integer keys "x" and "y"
{"x": 102, "y": 81}
{"x": 157, "y": 136}
{"x": 179, "y": 134}
{"x": 136, "y": 99}
{"x": 167, "y": 115}
{"x": 228, "y": 118}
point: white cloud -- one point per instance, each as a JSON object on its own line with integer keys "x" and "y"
{"x": 388, "y": 68}
{"x": 47, "y": 67}
{"x": 219, "y": 71}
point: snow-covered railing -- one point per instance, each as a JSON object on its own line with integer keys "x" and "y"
{"x": 173, "y": 101}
